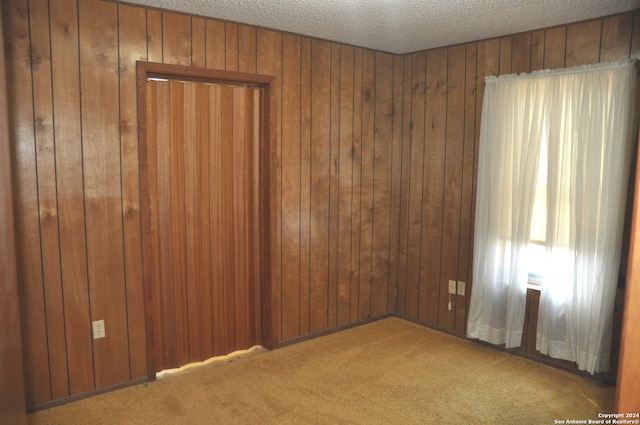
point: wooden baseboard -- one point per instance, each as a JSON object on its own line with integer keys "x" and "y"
{"x": 76, "y": 397}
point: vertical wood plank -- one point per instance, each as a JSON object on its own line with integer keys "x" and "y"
{"x": 47, "y": 196}
{"x": 453, "y": 175}
{"x": 215, "y": 44}
{"x": 29, "y": 265}
{"x": 406, "y": 181}
{"x": 537, "y": 50}
{"x": 345, "y": 186}
{"x": 433, "y": 300}
{"x": 397, "y": 181}
{"x": 468, "y": 166}
{"x": 178, "y": 216}
{"x": 505, "y": 55}
{"x": 241, "y": 213}
{"x": 305, "y": 183}
{"x": 167, "y": 325}
{"x": 132, "y": 28}
{"x": 227, "y": 182}
{"x": 69, "y": 166}
{"x": 366, "y": 183}
{"x": 616, "y": 38}
{"x": 555, "y": 40}
{"x": 269, "y": 62}
{"x": 12, "y": 385}
{"x": 635, "y": 36}
{"x": 154, "y": 35}
{"x": 382, "y": 180}
{"x": 415, "y": 197}
{"x": 203, "y": 219}
{"x": 192, "y": 224}
{"x": 356, "y": 150}
{"x": 521, "y": 50}
{"x": 103, "y": 188}
{"x": 320, "y": 163}
{"x": 151, "y": 219}
{"x": 583, "y": 43}
{"x": 198, "y": 42}
{"x": 291, "y": 187}
{"x": 334, "y": 175}
{"x": 231, "y": 46}
{"x": 247, "y": 49}
{"x": 217, "y": 232}
{"x": 176, "y": 38}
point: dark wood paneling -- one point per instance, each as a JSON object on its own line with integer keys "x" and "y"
{"x": 320, "y": 162}
{"x": 360, "y": 140}
{"x": 47, "y": 197}
{"x": 629, "y": 367}
{"x": 12, "y": 395}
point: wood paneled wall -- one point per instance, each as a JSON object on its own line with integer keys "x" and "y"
{"x": 441, "y": 115}
{"x": 12, "y": 399}
{"x": 72, "y": 86}
{"x": 374, "y": 172}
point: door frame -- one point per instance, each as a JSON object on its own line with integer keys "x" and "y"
{"x": 264, "y": 218}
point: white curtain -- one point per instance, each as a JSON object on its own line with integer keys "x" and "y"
{"x": 583, "y": 119}
{"x": 507, "y": 172}
{"x": 592, "y": 129}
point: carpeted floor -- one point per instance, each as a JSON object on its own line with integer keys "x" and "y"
{"x": 386, "y": 372}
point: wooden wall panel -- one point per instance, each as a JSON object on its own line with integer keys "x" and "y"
{"x": 47, "y": 197}
{"x": 415, "y": 139}
{"x": 433, "y": 300}
{"x": 452, "y": 202}
{"x": 102, "y": 188}
{"x": 362, "y": 140}
{"x": 356, "y": 202}
{"x": 345, "y": 186}
{"x": 29, "y": 264}
{"x": 334, "y": 176}
{"x": 382, "y": 189}
{"x": 132, "y": 27}
{"x": 291, "y": 185}
{"x": 366, "y": 183}
{"x": 12, "y": 390}
{"x": 320, "y": 163}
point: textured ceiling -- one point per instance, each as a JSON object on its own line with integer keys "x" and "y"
{"x": 399, "y": 26}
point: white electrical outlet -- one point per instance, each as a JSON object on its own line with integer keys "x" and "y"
{"x": 452, "y": 287}
{"x": 98, "y": 329}
{"x": 461, "y": 287}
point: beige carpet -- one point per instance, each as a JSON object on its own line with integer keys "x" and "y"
{"x": 387, "y": 372}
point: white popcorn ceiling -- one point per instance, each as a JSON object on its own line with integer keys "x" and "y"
{"x": 399, "y": 26}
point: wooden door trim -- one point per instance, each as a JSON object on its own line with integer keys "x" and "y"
{"x": 264, "y": 216}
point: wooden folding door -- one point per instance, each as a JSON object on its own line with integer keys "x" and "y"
{"x": 202, "y": 156}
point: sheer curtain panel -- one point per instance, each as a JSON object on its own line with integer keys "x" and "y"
{"x": 578, "y": 126}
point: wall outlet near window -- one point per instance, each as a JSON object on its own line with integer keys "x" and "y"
{"x": 98, "y": 329}
{"x": 461, "y": 288}
{"x": 452, "y": 287}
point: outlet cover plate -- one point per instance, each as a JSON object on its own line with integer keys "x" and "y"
{"x": 461, "y": 288}
{"x": 452, "y": 287}
{"x": 98, "y": 329}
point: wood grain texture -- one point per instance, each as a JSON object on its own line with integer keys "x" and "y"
{"x": 320, "y": 163}
{"x": 29, "y": 263}
{"x": 12, "y": 387}
{"x": 291, "y": 186}
{"x": 433, "y": 300}
{"x": 629, "y": 366}
{"x": 199, "y": 147}
{"x": 357, "y": 140}
{"x": 47, "y": 197}
{"x": 102, "y": 188}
